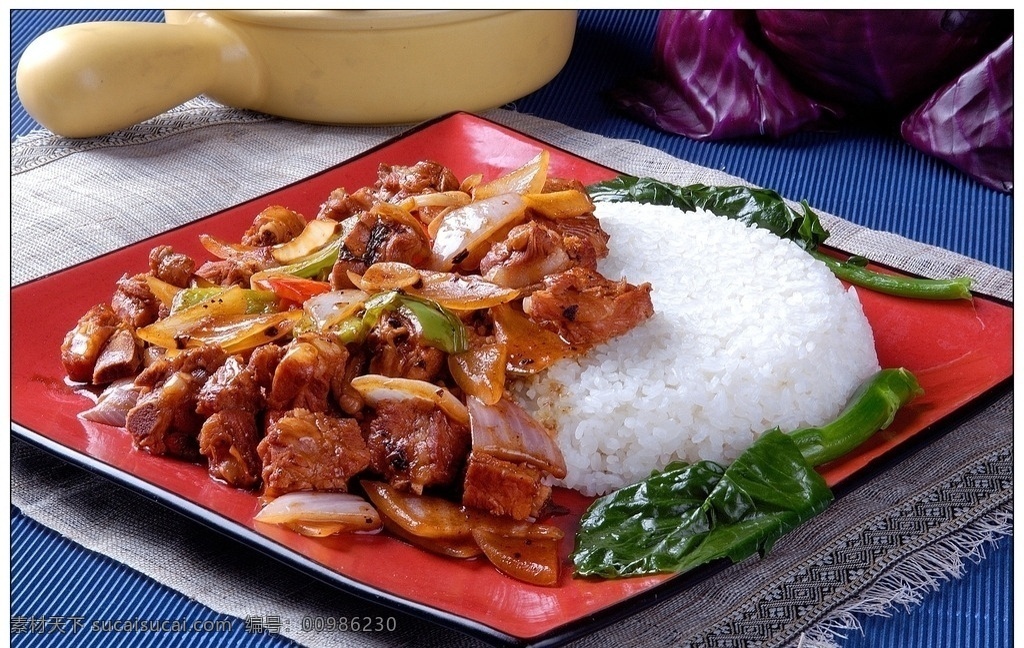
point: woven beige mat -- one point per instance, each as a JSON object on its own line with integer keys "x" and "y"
{"x": 884, "y": 544}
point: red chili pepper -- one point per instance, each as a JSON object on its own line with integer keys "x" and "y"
{"x": 294, "y": 289}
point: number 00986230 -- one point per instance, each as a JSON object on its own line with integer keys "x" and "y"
{"x": 350, "y": 624}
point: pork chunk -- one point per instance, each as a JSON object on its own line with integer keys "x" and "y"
{"x": 415, "y": 446}
{"x": 84, "y": 343}
{"x": 232, "y": 386}
{"x": 170, "y": 266}
{"x": 304, "y": 450}
{"x": 134, "y": 302}
{"x": 228, "y": 439}
{"x": 399, "y": 352}
{"x": 585, "y": 308}
{"x": 311, "y": 372}
{"x": 504, "y": 488}
{"x": 121, "y": 357}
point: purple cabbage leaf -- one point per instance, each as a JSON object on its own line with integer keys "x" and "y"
{"x": 969, "y": 121}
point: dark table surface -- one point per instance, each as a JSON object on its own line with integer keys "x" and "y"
{"x": 870, "y": 178}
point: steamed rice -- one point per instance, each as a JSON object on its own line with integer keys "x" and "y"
{"x": 749, "y": 332}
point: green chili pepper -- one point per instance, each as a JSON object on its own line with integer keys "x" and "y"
{"x": 316, "y": 265}
{"x": 871, "y": 409}
{"x": 853, "y": 271}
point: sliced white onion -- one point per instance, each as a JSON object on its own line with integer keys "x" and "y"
{"x": 529, "y": 178}
{"x": 462, "y": 229}
{"x": 314, "y": 236}
{"x": 376, "y": 389}
{"x": 461, "y": 292}
{"x": 386, "y": 275}
{"x": 506, "y": 431}
{"x": 112, "y": 406}
{"x": 436, "y": 199}
{"x": 331, "y": 307}
{"x": 320, "y": 513}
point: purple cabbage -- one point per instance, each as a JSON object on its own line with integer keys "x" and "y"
{"x": 969, "y": 121}
{"x": 713, "y": 81}
{"x": 883, "y": 59}
{"x": 728, "y": 73}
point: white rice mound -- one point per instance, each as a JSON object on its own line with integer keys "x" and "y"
{"x": 749, "y": 333}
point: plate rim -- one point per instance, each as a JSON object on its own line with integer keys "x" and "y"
{"x": 558, "y": 634}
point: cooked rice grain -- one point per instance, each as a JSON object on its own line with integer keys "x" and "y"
{"x": 749, "y": 333}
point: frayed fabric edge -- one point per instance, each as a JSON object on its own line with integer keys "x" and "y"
{"x": 913, "y": 578}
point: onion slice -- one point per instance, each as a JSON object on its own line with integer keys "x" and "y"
{"x": 424, "y": 516}
{"x": 529, "y": 178}
{"x": 480, "y": 370}
{"x": 568, "y": 203}
{"x": 461, "y": 292}
{"x": 320, "y": 513}
{"x": 375, "y": 389}
{"x": 526, "y": 559}
{"x": 316, "y": 234}
{"x": 329, "y": 308}
{"x": 463, "y": 229}
{"x": 113, "y": 403}
{"x": 506, "y": 431}
{"x": 386, "y": 275}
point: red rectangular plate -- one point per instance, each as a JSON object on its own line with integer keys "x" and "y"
{"x": 960, "y": 351}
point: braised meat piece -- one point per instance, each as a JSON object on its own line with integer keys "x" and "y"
{"x": 398, "y": 351}
{"x": 121, "y": 356}
{"x": 170, "y": 266}
{"x": 585, "y": 308}
{"x": 272, "y": 226}
{"x": 414, "y": 445}
{"x": 164, "y": 420}
{"x": 341, "y": 205}
{"x": 84, "y": 343}
{"x": 228, "y": 440}
{"x": 199, "y": 362}
{"x": 372, "y": 237}
{"x": 263, "y": 363}
{"x": 236, "y": 271}
{"x": 310, "y": 372}
{"x": 504, "y": 488}
{"x": 583, "y": 238}
{"x": 134, "y": 302}
{"x": 528, "y": 253}
{"x": 395, "y": 182}
{"x": 233, "y": 386}
{"x": 303, "y": 450}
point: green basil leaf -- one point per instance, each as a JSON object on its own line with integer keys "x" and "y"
{"x": 758, "y": 207}
{"x": 686, "y": 516}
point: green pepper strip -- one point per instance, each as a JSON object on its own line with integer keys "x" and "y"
{"x": 438, "y": 326}
{"x": 256, "y": 301}
{"x": 872, "y": 408}
{"x": 853, "y": 271}
{"x": 315, "y": 265}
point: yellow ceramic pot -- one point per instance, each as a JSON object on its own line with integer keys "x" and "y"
{"x": 327, "y": 66}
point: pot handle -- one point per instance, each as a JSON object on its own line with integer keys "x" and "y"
{"x": 94, "y": 78}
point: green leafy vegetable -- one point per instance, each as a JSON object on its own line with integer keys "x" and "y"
{"x": 760, "y": 207}
{"x": 691, "y": 514}
{"x": 766, "y": 209}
